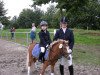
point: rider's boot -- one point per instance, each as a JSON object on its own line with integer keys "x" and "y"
{"x": 61, "y": 69}
{"x": 41, "y": 57}
{"x": 71, "y": 70}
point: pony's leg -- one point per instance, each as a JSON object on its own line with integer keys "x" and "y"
{"x": 31, "y": 65}
{"x": 45, "y": 65}
{"x": 30, "y": 57}
{"x": 28, "y": 65}
{"x": 52, "y": 69}
{"x": 29, "y": 70}
{"x": 36, "y": 64}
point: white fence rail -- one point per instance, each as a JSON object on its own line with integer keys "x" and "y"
{"x": 20, "y": 37}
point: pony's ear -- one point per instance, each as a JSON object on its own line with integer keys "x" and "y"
{"x": 60, "y": 46}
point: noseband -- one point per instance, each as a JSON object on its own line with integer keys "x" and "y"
{"x": 64, "y": 49}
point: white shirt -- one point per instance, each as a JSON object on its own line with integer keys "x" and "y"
{"x": 64, "y": 30}
{"x": 33, "y": 29}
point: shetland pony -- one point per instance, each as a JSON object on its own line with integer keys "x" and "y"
{"x": 57, "y": 49}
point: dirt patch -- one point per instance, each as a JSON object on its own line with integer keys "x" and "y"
{"x": 13, "y": 62}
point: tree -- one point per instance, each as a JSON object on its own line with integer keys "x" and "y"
{"x": 90, "y": 16}
{"x": 81, "y": 13}
{"x": 69, "y": 5}
{"x": 28, "y": 16}
{"x": 3, "y": 18}
{"x": 13, "y": 22}
{"x": 2, "y": 10}
{"x": 39, "y": 2}
{"x": 49, "y": 16}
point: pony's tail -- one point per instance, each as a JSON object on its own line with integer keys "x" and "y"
{"x": 27, "y": 60}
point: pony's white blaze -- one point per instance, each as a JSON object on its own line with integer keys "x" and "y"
{"x": 60, "y": 46}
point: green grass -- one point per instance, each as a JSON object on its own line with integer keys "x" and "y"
{"x": 81, "y": 36}
{"x": 84, "y": 37}
{"x": 86, "y": 57}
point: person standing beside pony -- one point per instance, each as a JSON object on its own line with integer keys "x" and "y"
{"x": 12, "y": 30}
{"x": 33, "y": 34}
{"x": 66, "y": 34}
{"x": 45, "y": 40}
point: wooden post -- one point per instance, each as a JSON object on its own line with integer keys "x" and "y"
{"x": 27, "y": 37}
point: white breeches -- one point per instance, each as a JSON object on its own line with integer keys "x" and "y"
{"x": 69, "y": 60}
{"x": 42, "y": 49}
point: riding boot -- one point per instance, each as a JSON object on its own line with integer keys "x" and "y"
{"x": 43, "y": 59}
{"x": 71, "y": 70}
{"x": 61, "y": 69}
{"x": 40, "y": 57}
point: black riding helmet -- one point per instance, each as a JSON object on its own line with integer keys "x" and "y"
{"x": 64, "y": 20}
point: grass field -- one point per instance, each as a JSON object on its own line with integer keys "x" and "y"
{"x": 89, "y": 37}
{"x": 86, "y": 49}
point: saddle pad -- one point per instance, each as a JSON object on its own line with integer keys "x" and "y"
{"x": 36, "y": 51}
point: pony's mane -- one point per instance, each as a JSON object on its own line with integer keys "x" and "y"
{"x": 55, "y": 42}
{"x": 54, "y": 53}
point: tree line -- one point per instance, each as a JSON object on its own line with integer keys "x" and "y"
{"x": 83, "y": 14}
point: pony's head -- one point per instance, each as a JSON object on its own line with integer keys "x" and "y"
{"x": 58, "y": 48}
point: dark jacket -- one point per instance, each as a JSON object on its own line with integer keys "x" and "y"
{"x": 44, "y": 38}
{"x": 68, "y": 36}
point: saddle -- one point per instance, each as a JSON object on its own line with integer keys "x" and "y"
{"x": 36, "y": 51}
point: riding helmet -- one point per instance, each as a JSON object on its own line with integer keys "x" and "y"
{"x": 64, "y": 20}
{"x": 43, "y": 23}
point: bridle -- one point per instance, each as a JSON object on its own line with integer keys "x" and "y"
{"x": 64, "y": 49}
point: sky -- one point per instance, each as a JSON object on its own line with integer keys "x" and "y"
{"x": 14, "y": 7}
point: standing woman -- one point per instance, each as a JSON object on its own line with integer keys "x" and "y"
{"x": 65, "y": 33}
{"x": 12, "y": 30}
{"x": 33, "y": 34}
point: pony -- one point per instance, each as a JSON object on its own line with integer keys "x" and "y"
{"x": 56, "y": 50}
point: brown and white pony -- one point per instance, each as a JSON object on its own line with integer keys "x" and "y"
{"x": 57, "y": 48}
